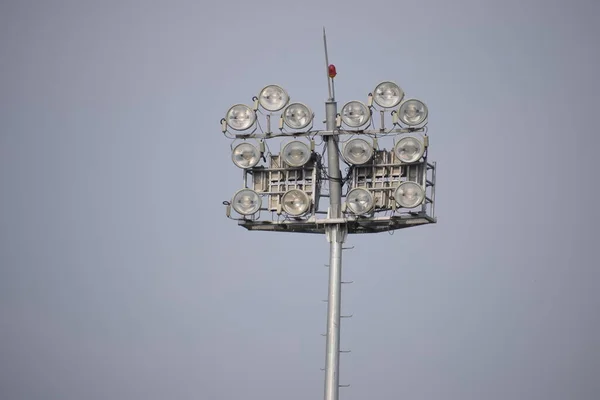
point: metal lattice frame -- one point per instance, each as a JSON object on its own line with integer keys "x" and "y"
{"x": 381, "y": 176}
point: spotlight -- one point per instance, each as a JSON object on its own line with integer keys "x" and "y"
{"x": 295, "y": 202}
{"x": 409, "y": 195}
{"x": 297, "y": 116}
{"x": 359, "y": 201}
{"x": 246, "y": 202}
{"x": 273, "y": 98}
{"x": 296, "y": 153}
{"x": 357, "y": 151}
{"x": 412, "y": 112}
{"x": 245, "y": 155}
{"x": 355, "y": 114}
{"x": 240, "y": 117}
{"x": 388, "y": 94}
{"x": 409, "y": 149}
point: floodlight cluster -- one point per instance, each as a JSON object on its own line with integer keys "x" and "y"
{"x": 288, "y": 183}
{"x": 390, "y": 97}
{"x": 271, "y": 99}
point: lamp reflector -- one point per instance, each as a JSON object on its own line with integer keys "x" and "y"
{"x": 246, "y": 202}
{"x": 297, "y": 116}
{"x": 409, "y": 194}
{"x": 412, "y": 112}
{"x": 357, "y": 151}
{"x": 409, "y": 149}
{"x": 388, "y": 94}
{"x": 240, "y": 117}
{"x": 295, "y": 202}
{"x": 296, "y": 153}
{"x": 355, "y": 114}
{"x": 245, "y": 155}
{"x": 359, "y": 201}
{"x": 273, "y": 98}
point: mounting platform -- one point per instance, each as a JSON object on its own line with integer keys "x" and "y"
{"x": 354, "y": 224}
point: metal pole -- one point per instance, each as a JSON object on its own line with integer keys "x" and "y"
{"x": 335, "y": 235}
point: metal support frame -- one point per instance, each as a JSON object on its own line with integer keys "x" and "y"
{"x": 381, "y": 178}
{"x": 327, "y": 132}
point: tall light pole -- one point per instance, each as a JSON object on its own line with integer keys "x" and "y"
{"x": 335, "y": 235}
{"x": 387, "y": 190}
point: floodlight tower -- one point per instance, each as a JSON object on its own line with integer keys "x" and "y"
{"x": 386, "y": 190}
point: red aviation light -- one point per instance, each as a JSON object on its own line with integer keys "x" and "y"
{"x": 332, "y": 71}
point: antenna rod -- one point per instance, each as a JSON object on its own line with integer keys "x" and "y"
{"x": 331, "y": 95}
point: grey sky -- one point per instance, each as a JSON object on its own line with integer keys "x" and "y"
{"x": 121, "y": 278}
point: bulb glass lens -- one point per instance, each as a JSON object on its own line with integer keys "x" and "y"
{"x": 297, "y": 116}
{"x": 273, "y": 98}
{"x": 359, "y": 201}
{"x": 246, "y": 202}
{"x": 357, "y": 151}
{"x": 388, "y": 94}
{"x": 296, "y": 154}
{"x": 295, "y": 202}
{"x": 409, "y": 195}
{"x": 355, "y": 114}
{"x": 245, "y": 155}
{"x": 412, "y": 112}
{"x": 240, "y": 117}
{"x": 409, "y": 149}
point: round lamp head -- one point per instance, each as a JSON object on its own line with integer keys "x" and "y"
{"x": 246, "y": 202}
{"x": 355, "y": 114}
{"x": 359, "y": 201}
{"x": 295, "y": 202}
{"x": 409, "y": 149}
{"x": 412, "y": 112}
{"x": 245, "y": 155}
{"x": 297, "y": 116}
{"x": 357, "y": 151}
{"x": 273, "y": 98}
{"x": 409, "y": 195}
{"x": 240, "y": 117}
{"x": 296, "y": 153}
{"x": 388, "y": 94}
